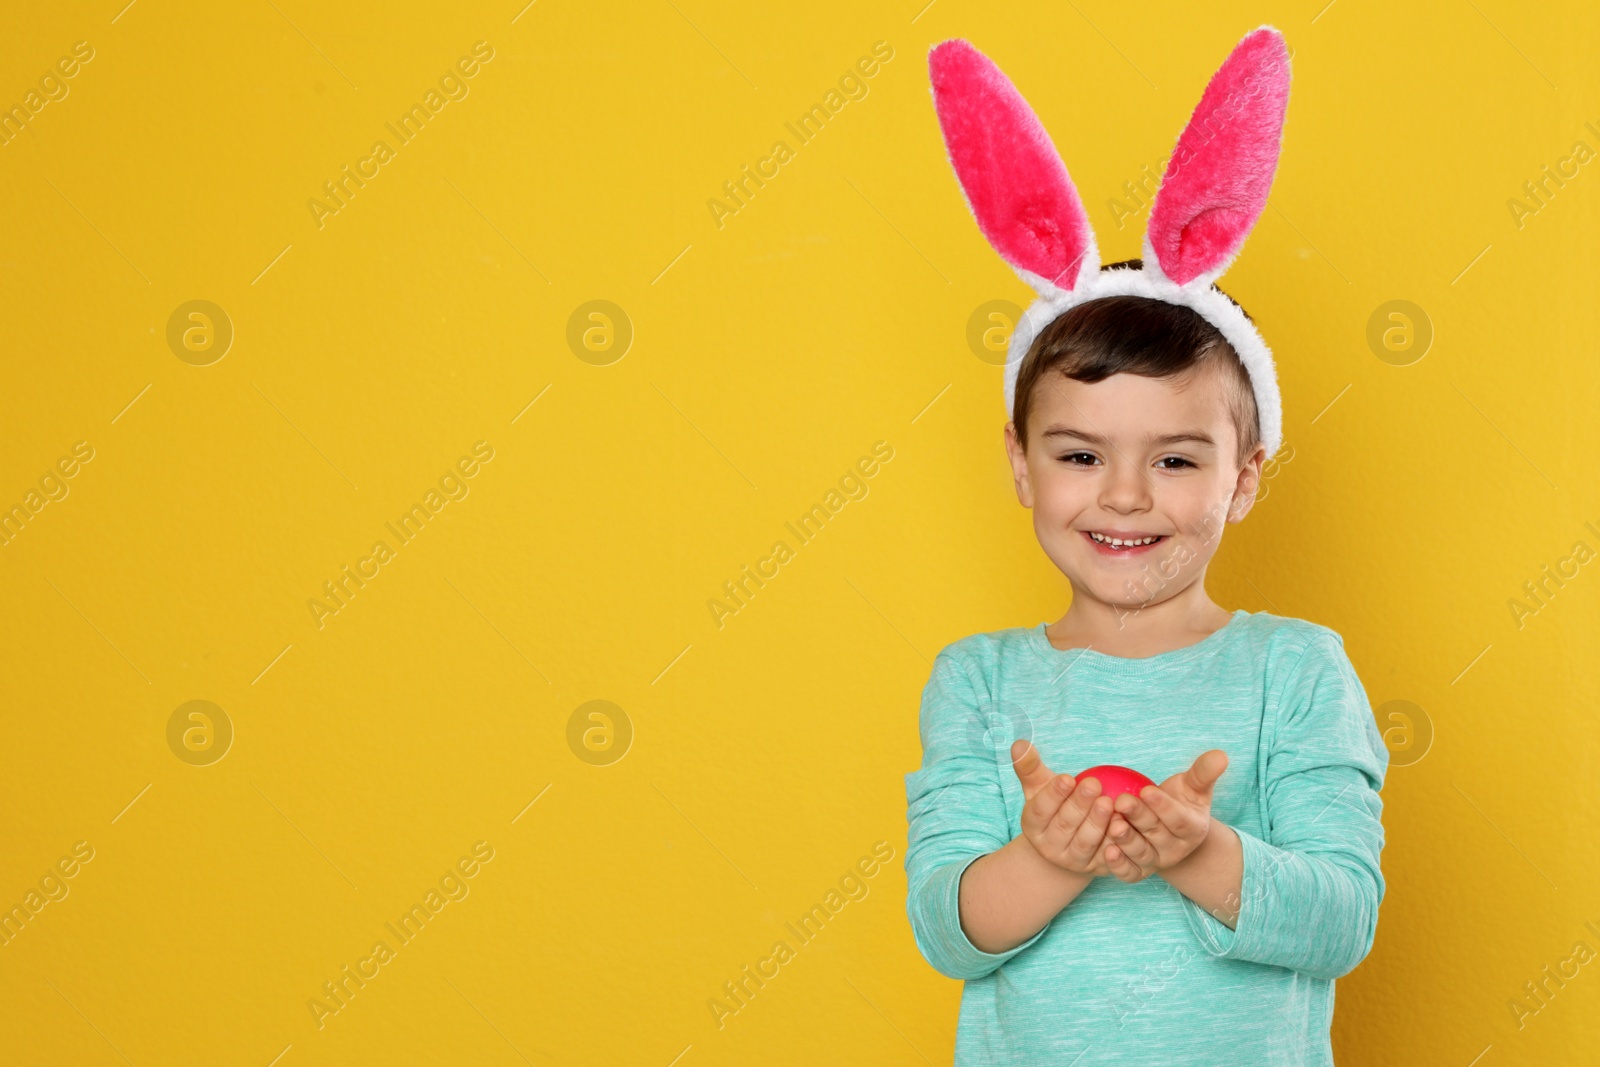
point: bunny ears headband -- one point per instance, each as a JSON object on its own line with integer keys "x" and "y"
{"x": 1214, "y": 188}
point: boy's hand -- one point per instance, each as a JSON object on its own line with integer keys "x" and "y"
{"x": 1065, "y": 824}
{"x": 1164, "y": 824}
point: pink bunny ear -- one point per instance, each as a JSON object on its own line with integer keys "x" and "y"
{"x": 1217, "y": 180}
{"x": 1012, "y": 176}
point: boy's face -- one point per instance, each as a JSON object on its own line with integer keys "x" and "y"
{"x": 1095, "y": 463}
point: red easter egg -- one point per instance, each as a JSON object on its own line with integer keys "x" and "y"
{"x": 1115, "y": 781}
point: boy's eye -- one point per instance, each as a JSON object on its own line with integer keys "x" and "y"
{"x": 1083, "y": 459}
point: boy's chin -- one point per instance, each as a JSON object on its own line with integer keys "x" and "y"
{"x": 1122, "y": 602}
{"x": 1125, "y": 592}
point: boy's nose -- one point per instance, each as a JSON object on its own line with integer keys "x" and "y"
{"x": 1125, "y": 487}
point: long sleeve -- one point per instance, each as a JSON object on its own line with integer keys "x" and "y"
{"x": 1310, "y": 891}
{"x": 956, "y": 814}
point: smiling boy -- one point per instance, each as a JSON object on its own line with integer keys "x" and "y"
{"x": 1203, "y": 919}
{"x": 1135, "y": 440}
{"x": 1111, "y": 381}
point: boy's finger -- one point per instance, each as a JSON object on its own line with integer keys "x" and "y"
{"x": 1136, "y": 847}
{"x": 1076, "y": 808}
{"x": 1205, "y": 771}
{"x": 1122, "y": 865}
{"x": 1030, "y": 768}
{"x": 1045, "y": 803}
{"x": 1138, "y": 813}
{"x": 1171, "y": 815}
{"x": 1092, "y": 830}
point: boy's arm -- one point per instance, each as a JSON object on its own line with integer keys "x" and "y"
{"x": 1308, "y": 893}
{"x": 964, "y": 874}
{"x": 1011, "y": 894}
{"x": 1212, "y": 874}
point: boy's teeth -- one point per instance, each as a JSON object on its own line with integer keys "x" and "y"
{"x": 1116, "y": 542}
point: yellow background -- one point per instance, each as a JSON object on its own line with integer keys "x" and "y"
{"x": 769, "y": 355}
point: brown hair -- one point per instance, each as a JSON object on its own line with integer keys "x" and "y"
{"x": 1138, "y": 335}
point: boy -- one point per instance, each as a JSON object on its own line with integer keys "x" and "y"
{"x": 1201, "y": 921}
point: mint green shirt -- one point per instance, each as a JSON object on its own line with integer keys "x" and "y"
{"x": 1139, "y": 974}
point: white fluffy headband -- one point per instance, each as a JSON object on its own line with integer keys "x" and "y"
{"x": 1213, "y": 190}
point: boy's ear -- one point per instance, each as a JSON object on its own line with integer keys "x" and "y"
{"x": 1244, "y": 489}
{"x": 1019, "y": 466}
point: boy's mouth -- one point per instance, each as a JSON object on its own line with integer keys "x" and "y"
{"x": 1125, "y": 544}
